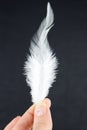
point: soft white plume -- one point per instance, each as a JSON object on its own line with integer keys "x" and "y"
{"x": 41, "y": 64}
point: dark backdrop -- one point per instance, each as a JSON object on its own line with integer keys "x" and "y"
{"x": 18, "y": 23}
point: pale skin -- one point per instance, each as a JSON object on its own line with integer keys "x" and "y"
{"x": 37, "y": 117}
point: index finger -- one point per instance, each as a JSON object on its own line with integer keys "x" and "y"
{"x": 12, "y": 123}
{"x": 26, "y": 120}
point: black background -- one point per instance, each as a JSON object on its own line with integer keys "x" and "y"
{"x": 19, "y": 20}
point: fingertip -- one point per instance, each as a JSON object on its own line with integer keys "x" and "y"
{"x": 17, "y": 117}
{"x": 44, "y": 105}
{"x": 42, "y": 115}
{"x": 48, "y": 102}
{"x": 12, "y": 123}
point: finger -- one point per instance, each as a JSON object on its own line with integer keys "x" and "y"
{"x": 12, "y": 123}
{"x": 42, "y": 116}
{"x": 26, "y": 121}
{"x": 48, "y": 102}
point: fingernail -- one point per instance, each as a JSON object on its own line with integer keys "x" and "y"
{"x": 40, "y": 110}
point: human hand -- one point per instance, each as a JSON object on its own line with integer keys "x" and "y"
{"x": 37, "y": 117}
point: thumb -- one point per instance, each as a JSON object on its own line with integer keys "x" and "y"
{"x": 42, "y": 116}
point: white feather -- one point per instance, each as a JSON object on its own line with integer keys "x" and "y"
{"x": 41, "y": 64}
